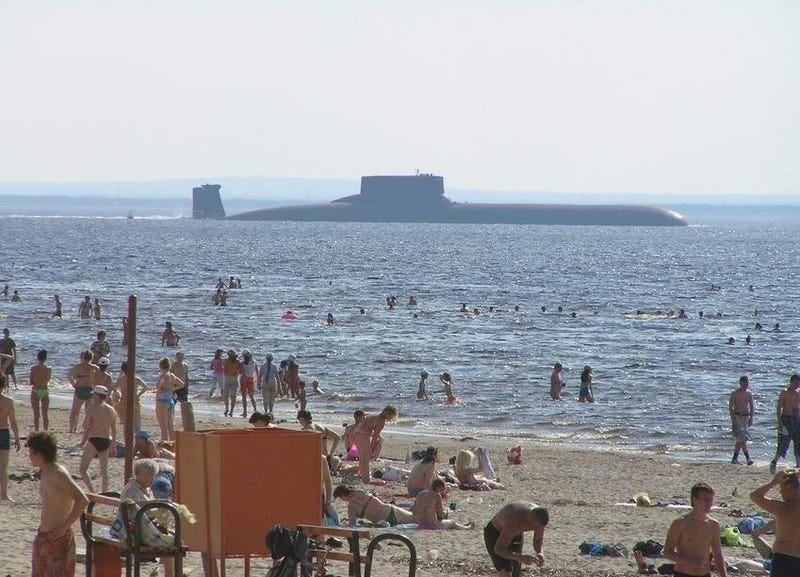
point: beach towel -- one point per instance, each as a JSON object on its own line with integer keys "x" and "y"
{"x": 486, "y": 463}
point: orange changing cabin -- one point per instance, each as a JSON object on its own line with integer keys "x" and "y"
{"x": 240, "y": 483}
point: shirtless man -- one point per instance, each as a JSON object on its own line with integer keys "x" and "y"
{"x": 62, "y": 505}
{"x": 81, "y": 377}
{"x": 7, "y": 417}
{"x": 741, "y": 408}
{"x": 503, "y": 536}
{"x": 367, "y": 437}
{"x": 170, "y": 336}
{"x": 786, "y": 511}
{"x": 103, "y": 377}
{"x": 691, "y": 537}
{"x": 99, "y": 437}
{"x": 788, "y": 412}
{"x": 429, "y": 512}
{"x": 556, "y": 382}
{"x": 85, "y": 311}
{"x": 40, "y": 393}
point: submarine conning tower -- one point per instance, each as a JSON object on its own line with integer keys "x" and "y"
{"x": 207, "y": 202}
{"x": 417, "y": 189}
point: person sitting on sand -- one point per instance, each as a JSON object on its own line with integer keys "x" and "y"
{"x": 362, "y": 505}
{"x": 423, "y": 473}
{"x": 473, "y": 478}
{"x": 145, "y": 448}
{"x": 262, "y": 420}
{"x": 305, "y": 420}
{"x": 691, "y": 537}
{"x": 447, "y": 384}
{"x": 428, "y": 511}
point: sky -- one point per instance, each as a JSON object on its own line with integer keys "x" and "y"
{"x": 593, "y": 97}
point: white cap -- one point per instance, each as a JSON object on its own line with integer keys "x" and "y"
{"x": 100, "y": 390}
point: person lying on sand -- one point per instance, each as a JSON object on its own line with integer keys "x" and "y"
{"x": 362, "y": 505}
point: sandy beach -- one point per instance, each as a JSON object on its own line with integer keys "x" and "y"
{"x": 582, "y": 490}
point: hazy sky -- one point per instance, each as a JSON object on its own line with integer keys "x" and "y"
{"x": 598, "y": 96}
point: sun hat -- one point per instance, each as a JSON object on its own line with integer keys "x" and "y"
{"x": 292, "y": 358}
{"x": 103, "y": 361}
{"x": 100, "y": 390}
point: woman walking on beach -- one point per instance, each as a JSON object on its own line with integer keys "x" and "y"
{"x": 230, "y": 367}
{"x": 218, "y": 373}
{"x": 166, "y": 385}
{"x": 40, "y": 394}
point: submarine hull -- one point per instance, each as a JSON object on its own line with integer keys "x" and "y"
{"x": 456, "y": 213}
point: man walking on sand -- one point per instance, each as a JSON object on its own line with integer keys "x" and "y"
{"x": 788, "y": 412}
{"x": 99, "y": 437}
{"x": 691, "y": 537}
{"x": 504, "y": 533}
{"x": 9, "y": 347}
{"x": 786, "y": 511}
{"x": 62, "y": 504}
{"x": 741, "y": 408}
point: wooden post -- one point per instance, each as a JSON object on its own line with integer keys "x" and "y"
{"x": 130, "y": 393}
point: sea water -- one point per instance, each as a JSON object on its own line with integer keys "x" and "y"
{"x": 662, "y": 384}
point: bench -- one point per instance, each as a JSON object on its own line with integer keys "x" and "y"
{"x": 131, "y": 547}
{"x": 354, "y": 556}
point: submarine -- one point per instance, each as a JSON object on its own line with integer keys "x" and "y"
{"x": 420, "y": 198}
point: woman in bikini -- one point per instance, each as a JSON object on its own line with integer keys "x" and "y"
{"x": 367, "y": 437}
{"x": 362, "y": 505}
{"x": 40, "y": 394}
{"x": 166, "y": 385}
{"x": 81, "y": 377}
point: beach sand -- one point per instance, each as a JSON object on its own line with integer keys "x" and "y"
{"x": 580, "y": 488}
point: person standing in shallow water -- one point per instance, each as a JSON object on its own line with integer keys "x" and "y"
{"x": 741, "y": 408}
{"x": 587, "y": 393}
{"x": 556, "y": 382}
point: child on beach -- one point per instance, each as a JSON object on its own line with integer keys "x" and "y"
{"x": 7, "y": 418}
{"x": 691, "y": 537}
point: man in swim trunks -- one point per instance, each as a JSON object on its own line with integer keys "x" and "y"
{"x": 8, "y": 425}
{"x": 99, "y": 437}
{"x": 81, "y": 377}
{"x": 788, "y": 412}
{"x": 40, "y": 393}
{"x": 786, "y": 511}
{"x": 9, "y": 347}
{"x": 62, "y": 504}
{"x": 741, "y": 408}
{"x": 503, "y": 536}
{"x": 691, "y": 537}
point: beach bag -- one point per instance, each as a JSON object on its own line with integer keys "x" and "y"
{"x": 730, "y": 536}
{"x": 514, "y": 455}
{"x": 150, "y": 534}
